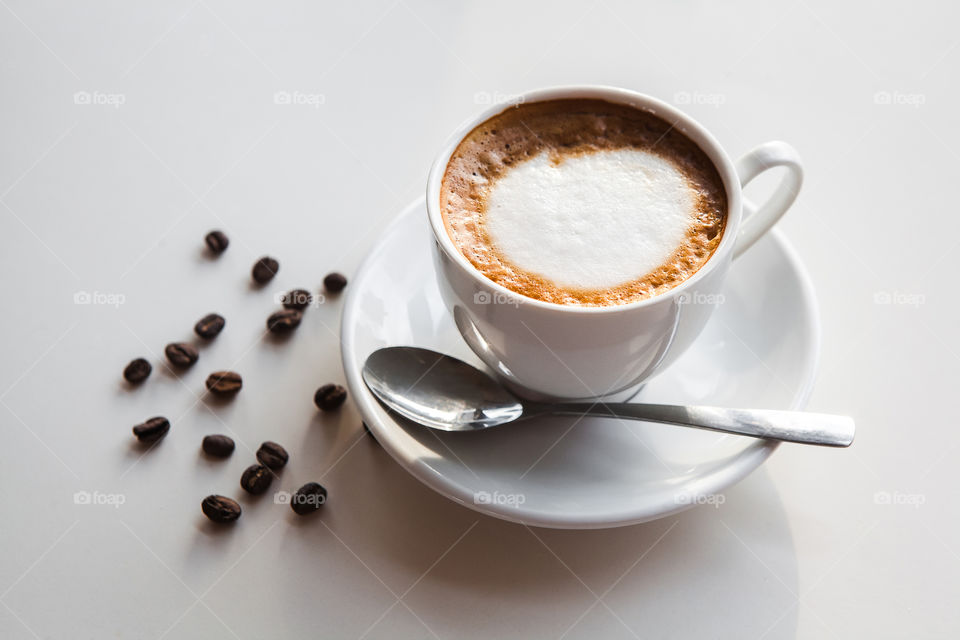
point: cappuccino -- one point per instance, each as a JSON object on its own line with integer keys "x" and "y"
{"x": 582, "y": 202}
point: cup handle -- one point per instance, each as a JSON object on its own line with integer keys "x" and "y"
{"x": 767, "y": 156}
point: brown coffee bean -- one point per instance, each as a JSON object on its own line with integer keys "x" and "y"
{"x": 152, "y": 430}
{"x": 335, "y": 282}
{"x": 217, "y": 241}
{"x": 256, "y": 479}
{"x": 330, "y": 397}
{"x": 264, "y": 270}
{"x": 209, "y": 326}
{"x": 284, "y": 321}
{"x": 308, "y": 499}
{"x": 181, "y": 354}
{"x": 272, "y": 455}
{"x": 137, "y": 371}
{"x": 224, "y": 382}
{"x": 218, "y": 446}
{"x": 298, "y": 299}
{"x": 220, "y": 509}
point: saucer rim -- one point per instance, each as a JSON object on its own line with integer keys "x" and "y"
{"x": 737, "y": 469}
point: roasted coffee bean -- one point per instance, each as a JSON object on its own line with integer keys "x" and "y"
{"x": 217, "y": 241}
{"x": 264, "y": 269}
{"x": 284, "y": 321}
{"x": 272, "y": 455}
{"x": 330, "y": 397}
{"x": 152, "y": 430}
{"x": 218, "y": 446}
{"x": 335, "y": 282}
{"x": 181, "y": 354}
{"x": 256, "y": 479}
{"x": 298, "y": 299}
{"x": 137, "y": 371}
{"x": 209, "y": 326}
{"x": 308, "y": 499}
{"x": 224, "y": 382}
{"x": 220, "y": 508}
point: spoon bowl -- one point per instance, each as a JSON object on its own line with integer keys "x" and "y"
{"x": 437, "y": 390}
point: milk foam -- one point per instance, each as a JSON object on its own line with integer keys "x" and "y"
{"x": 590, "y": 221}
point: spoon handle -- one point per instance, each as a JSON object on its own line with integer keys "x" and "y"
{"x": 789, "y": 426}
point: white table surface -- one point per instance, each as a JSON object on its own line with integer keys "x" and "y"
{"x": 183, "y": 134}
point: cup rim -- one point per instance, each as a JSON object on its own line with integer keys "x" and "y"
{"x": 686, "y": 124}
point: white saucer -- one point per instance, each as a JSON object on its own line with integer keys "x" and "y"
{"x": 759, "y": 350}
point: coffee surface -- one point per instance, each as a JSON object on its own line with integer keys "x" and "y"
{"x": 582, "y": 202}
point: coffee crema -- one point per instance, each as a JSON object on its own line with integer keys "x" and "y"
{"x": 582, "y": 202}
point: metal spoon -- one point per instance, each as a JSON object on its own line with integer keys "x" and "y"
{"x": 441, "y": 392}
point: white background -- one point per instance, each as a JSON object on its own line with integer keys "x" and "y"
{"x": 115, "y": 199}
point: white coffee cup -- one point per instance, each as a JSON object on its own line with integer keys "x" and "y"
{"x": 552, "y": 351}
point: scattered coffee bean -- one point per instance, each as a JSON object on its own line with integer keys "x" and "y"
{"x": 181, "y": 354}
{"x": 298, "y": 299}
{"x": 308, "y": 499}
{"x": 264, "y": 270}
{"x": 224, "y": 382}
{"x": 284, "y": 321}
{"x": 220, "y": 508}
{"x": 217, "y": 241}
{"x": 218, "y": 446}
{"x": 272, "y": 455}
{"x": 209, "y": 326}
{"x": 152, "y": 430}
{"x": 335, "y": 282}
{"x": 137, "y": 371}
{"x": 256, "y": 479}
{"x": 330, "y": 397}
